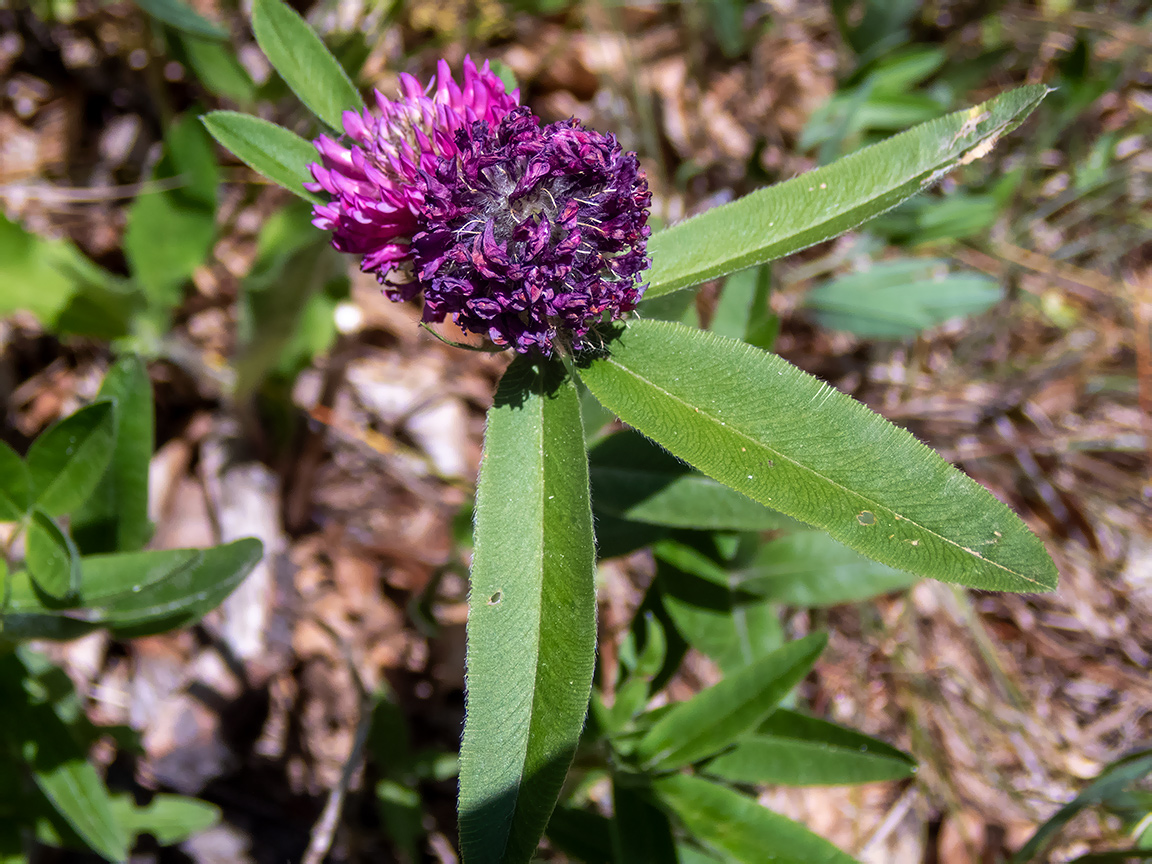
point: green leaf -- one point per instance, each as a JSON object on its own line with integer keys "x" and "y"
{"x": 792, "y": 749}
{"x": 1112, "y": 780}
{"x": 273, "y": 303}
{"x": 68, "y": 458}
{"x": 296, "y": 52}
{"x": 52, "y": 558}
{"x": 78, "y": 794}
{"x": 170, "y": 233}
{"x": 742, "y": 311}
{"x": 66, "y": 292}
{"x": 783, "y": 438}
{"x": 216, "y": 67}
{"x": 810, "y": 569}
{"x": 898, "y": 299}
{"x": 169, "y": 818}
{"x": 714, "y": 718}
{"x": 1127, "y": 856}
{"x": 532, "y": 614}
{"x": 58, "y": 764}
{"x": 635, "y": 480}
{"x": 15, "y": 485}
{"x": 182, "y": 17}
{"x": 686, "y": 854}
{"x": 581, "y": 835}
{"x": 821, "y": 204}
{"x": 732, "y": 627}
{"x": 616, "y": 536}
{"x": 641, "y": 832}
{"x": 115, "y": 517}
{"x": 402, "y": 811}
{"x": 651, "y": 658}
{"x": 134, "y": 592}
{"x": 273, "y": 151}
{"x": 633, "y": 693}
{"x": 739, "y": 827}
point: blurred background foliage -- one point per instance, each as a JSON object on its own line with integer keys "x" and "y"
{"x": 1004, "y": 316}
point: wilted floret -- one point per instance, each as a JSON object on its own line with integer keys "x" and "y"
{"x": 525, "y": 234}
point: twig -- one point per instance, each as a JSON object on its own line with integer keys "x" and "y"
{"x": 891, "y": 820}
{"x": 324, "y": 831}
{"x": 1097, "y": 283}
{"x": 76, "y": 195}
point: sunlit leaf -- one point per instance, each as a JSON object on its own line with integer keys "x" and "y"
{"x": 280, "y": 155}
{"x": 793, "y": 749}
{"x": 809, "y": 568}
{"x": 305, "y": 64}
{"x": 714, "y": 718}
{"x": 824, "y": 203}
{"x": 898, "y": 299}
{"x": 532, "y": 615}
{"x": 15, "y": 485}
{"x": 739, "y": 827}
{"x": 783, "y": 438}
{"x": 67, "y": 459}
{"x": 134, "y": 592}
{"x": 52, "y": 557}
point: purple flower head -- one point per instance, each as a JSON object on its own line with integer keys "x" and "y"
{"x": 376, "y": 203}
{"x": 525, "y": 234}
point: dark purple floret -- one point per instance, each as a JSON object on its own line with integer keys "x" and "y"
{"x": 531, "y": 235}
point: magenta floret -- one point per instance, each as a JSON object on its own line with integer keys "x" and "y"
{"x": 527, "y": 235}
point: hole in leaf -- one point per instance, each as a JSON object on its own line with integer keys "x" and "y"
{"x": 866, "y": 517}
{"x": 495, "y": 598}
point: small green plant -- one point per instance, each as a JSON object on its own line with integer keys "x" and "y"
{"x": 525, "y": 234}
{"x": 1114, "y": 792}
{"x": 78, "y": 503}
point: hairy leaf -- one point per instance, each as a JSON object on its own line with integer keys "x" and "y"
{"x": 783, "y": 438}
{"x": 824, "y": 203}
{"x": 273, "y": 151}
{"x": 532, "y": 615}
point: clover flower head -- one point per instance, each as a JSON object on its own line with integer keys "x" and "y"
{"x": 526, "y": 234}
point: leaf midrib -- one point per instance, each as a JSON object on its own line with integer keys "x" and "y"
{"x": 537, "y": 391}
{"x": 732, "y": 429}
{"x": 81, "y": 448}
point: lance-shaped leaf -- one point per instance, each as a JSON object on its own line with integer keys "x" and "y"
{"x": 731, "y": 626}
{"x": 788, "y": 440}
{"x": 115, "y": 518}
{"x": 532, "y": 615}
{"x": 714, "y": 718}
{"x": 133, "y": 592}
{"x": 52, "y": 557}
{"x": 279, "y": 154}
{"x": 739, "y": 827}
{"x": 809, "y": 568}
{"x": 68, "y": 458}
{"x": 170, "y": 233}
{"x": 15, "y": 485}
{"x": 183, "y": 17}
{"x": 1110, "y": 783}
{"x": 635, "y": 480}
{"x": 824, "y": 203}
{"x": 796, "y": 750}
{"x": 305, "y": 64}
{"x": 58, "y": 764}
